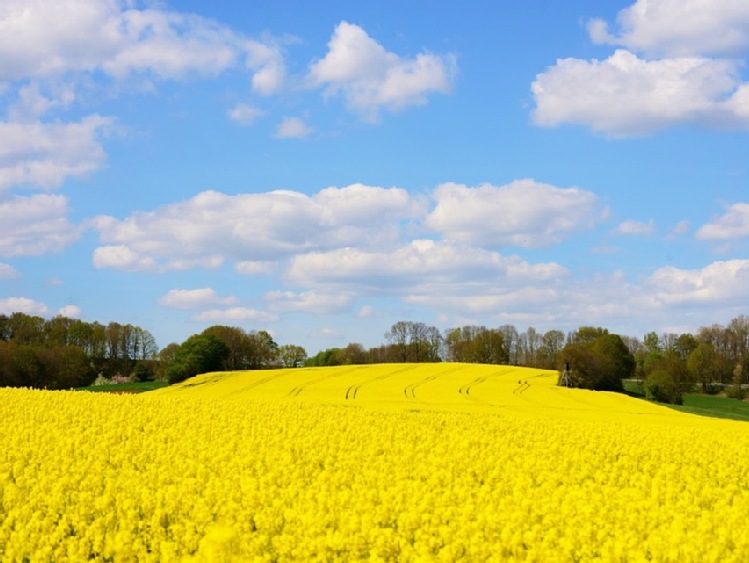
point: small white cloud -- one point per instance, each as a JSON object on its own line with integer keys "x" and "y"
{"x": 10, "y": 305}
{"x": 245, "y": 114}
{"x": 315, "y": 302}
{"x": 681, "y": 228}
{"x": 733, "y": 224}
{"x": 8, "y": 272}
{"x": 254, "y": 267}
{"x": 70, "y": 311}
{"x": 636, "y": 228}
{"x": 194, "y": 298}
{"x": 121, "y": 257}
{"x": 292, "y": 128}
{"x": 370, "y": 77}
{"x": 327, "y": 333}
{"x": 235, "y": 314}
{"x": 366, "y": 312}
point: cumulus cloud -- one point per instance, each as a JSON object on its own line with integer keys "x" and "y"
{"x": 251, "y": 228}
{"x": 419, "y": 263}
{"x": 8, "y": 272}
{"x": 42, "y": 38}
{"x": 523, "y": 213}
{"x": 235, "y": 314}
{"x": 636, "y": 228}
{"x": 687, "y": 72}
{"x": 194, "y": 298}
{"x": 245, "y": 114}
{"x": 678, "y": 27}
{"x": 10, "y": 305}
{"x": 733, "y": 224}
{"x": 293, "y": 128}
{"x": 35, "y": 225}
{"x": 49, "y": 50}
{"x": 625, "y": 95}
{"x": 46, "y": 154}
{"x": 721, "y": 283}
{"x": 369, "y": 77}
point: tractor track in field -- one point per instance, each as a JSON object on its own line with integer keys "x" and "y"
{"x": 352, "y": 391}
{"x": 296, "y": 391}
{"x": 410, "y": 390}
{"x": 261, "y": 381}
{"x": 466, "y": 389}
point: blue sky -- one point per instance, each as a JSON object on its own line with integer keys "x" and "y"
{"x": 323, "y": 170}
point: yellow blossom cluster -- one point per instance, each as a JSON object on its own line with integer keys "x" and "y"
{"x": 440, "y": 462}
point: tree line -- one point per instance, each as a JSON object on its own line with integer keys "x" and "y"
{"x": 61, "y": 353}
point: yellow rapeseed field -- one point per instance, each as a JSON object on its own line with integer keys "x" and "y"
{"x": 438, "y": 462}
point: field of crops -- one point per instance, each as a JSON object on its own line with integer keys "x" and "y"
{"x": 440, "y": 462}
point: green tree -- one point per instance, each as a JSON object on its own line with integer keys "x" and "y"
{"x": 703, "y": 366}
{"x": 200, "y": 353}
{"x": 598, "y": 363}
{"x": 668, "y": 378}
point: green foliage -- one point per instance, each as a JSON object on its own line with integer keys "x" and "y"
{"x": 476, "y": 344}
{"x": 200, "y": 353}
{"x": 600, "y": 363}
{"x": 660, "y": 386}
{"x": 668, "y": 378}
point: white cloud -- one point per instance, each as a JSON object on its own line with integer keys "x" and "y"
{"x": 194, "y": 298}
{"x": 50, "y": 50}
{"x": 245, "y": 114}
{"x": 46, "y": 154}
{"x": 420, "y": 263}
{"x": 636, "y": 228}
{"x": 678, "y": 27}
{"x": 734, "y": 224}
{"x": 70, "y": 311}
{"x": 42, "y": 38}
{"x": 686, "y": 72}
{"x": 35, "y": 225}
{"x": 370, "y": 77}
{"x": 251, "y": 228}
{"x": 314, "y": 302}
{"x": 523, "y": 213}
{"x": 254, "y": 268}
{"x": 293, "y": 128}
{"x": 9, "y": 305}
{"x": 121, "y": 257}
{"x": 235, "y": 314}
{"x": 681, "y": 228}
{"x": 8, "y": 272}
{"x": 366, "y": 312}
{"x": 721, "y": 283}
{"x": 627, "y": 96}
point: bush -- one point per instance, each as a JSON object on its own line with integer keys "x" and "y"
{"x": 660, "y": 386}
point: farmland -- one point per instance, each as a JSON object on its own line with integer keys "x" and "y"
{"x": 384, "y": 462}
